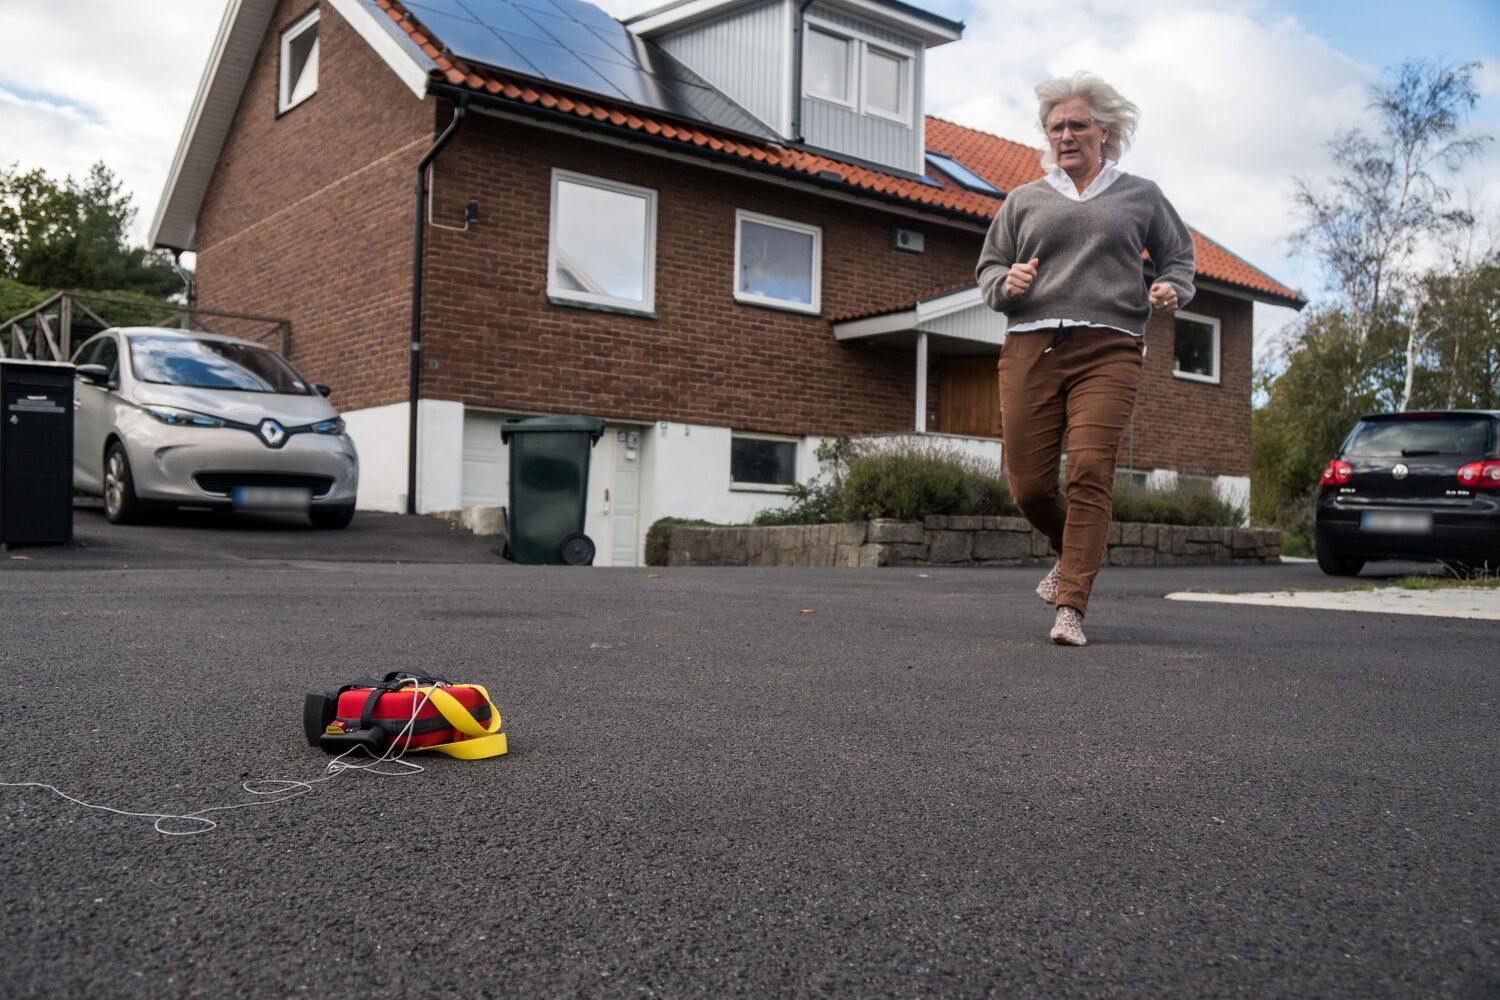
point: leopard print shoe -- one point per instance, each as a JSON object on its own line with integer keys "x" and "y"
{"x": 1047, "y": 589}
{"x": 1068, "y": 629}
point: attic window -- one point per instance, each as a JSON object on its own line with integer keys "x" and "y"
{"x": 299, "y": 62}
{"x": 962, "y": 174}
{"x": 856, "y": 72}
{"x": 829, "y": 61}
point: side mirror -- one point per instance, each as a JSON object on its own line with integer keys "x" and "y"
{"x": 324, "y": 390}
{"x": 93, "y": 374}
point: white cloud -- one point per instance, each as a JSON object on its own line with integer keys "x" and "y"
{"x": 102, "y": 81}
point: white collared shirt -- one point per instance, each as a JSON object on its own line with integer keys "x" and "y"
{"x": 1059, "y": 179}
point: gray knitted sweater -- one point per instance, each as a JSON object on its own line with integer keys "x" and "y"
{"x": 1089, "y": 253}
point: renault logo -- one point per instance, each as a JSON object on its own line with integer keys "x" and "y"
{"x": 274, "y": 434}
{"x": 1400, "y": 471}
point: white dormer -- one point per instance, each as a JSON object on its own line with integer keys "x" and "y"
{"x": 858, "y": 82}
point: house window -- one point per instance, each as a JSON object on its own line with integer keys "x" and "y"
{"x": 777, "y": 263}
{"x": 1195, "y": 348}
{"x": 757, "y": 462}
{"x": 1135, "y": 479}
{"x": 299, "y": 62}
{"x": 603, "y": 248}
{"x": 885, "y": 84}
{"x": 833, "y": 61}
{"x": 829, "y": 61}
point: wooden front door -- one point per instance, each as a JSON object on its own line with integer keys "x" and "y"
{"x": 969, "y": 397}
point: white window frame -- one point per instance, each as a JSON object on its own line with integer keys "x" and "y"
{"x": 741, "y": 216}
{"x": 796, "y": 442}
{"x": 903, "y": 83}
{"x": 647, "y": 305}
{"x": 858, "y": 87}
{"x": 1210, "y": 321}
{"x": 851, "y": 68}
{"x": 284, "y": 102}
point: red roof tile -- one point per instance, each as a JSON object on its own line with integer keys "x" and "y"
{"x": 903, "y": 304}
{"x": 1003, "y": 163}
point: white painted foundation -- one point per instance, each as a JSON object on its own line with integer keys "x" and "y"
{"x": 683, "y": 469}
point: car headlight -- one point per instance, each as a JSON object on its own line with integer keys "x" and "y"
{"x": 334, "y": 426}
{"x": 182, "y": 418}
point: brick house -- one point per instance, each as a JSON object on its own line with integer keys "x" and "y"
{"x": 636, "y": 221}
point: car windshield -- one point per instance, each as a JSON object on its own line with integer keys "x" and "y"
{"x": 1411, "y": 438}
{"x": 213, "y": 364}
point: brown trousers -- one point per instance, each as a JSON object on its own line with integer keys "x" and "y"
{"x": 1075, "y": 388}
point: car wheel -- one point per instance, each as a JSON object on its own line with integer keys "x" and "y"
{"x": 331, "y": 517}
{"x": 1333, "y": 564}
{"x": 120, "y": 503}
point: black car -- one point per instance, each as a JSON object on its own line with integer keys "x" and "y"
{"x": 1419, "y": 486}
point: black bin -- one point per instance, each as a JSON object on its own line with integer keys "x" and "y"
{"x": 549, "y": 479}
{"x": 36, "y": 452}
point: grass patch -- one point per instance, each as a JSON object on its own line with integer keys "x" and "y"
{"x": 1488, "y": 581}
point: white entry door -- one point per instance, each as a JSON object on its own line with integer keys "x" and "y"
{"x": 625, "y": 497}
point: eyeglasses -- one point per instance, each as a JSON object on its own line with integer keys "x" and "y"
{"x": 1074, "y": 125}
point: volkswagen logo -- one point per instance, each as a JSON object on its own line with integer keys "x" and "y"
{"x": 274, "y": 435}
{"x": 1400, "y": 470}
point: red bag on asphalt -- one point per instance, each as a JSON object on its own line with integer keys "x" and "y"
{"x": 408, "y": 710}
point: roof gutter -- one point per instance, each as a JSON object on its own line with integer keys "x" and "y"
{"x": 415, "y": 380}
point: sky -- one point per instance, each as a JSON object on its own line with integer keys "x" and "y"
{"x": 1238, "y": 97}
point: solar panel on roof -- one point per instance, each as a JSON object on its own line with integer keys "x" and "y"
{"x": 576, "y": 45}
{"x": 475, "y": 41}
{"x": 962, "y": 174}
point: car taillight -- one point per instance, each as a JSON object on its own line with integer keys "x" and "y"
{"x": 1336, "y": 473}
{"x": 1484, "y": 475}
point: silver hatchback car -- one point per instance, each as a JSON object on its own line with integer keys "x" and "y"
{"x": 188, "y": 419}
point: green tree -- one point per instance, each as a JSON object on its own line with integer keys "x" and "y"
{"x": 1310, "y": 407}
{"x": 1386, "y": 200}
{"x": 73, "y": 235}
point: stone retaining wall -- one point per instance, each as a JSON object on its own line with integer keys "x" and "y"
{"x": 961, "y": 541}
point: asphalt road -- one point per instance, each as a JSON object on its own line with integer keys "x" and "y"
{"x": 906, "y": 792}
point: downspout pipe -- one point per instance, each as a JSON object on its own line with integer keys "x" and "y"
{"x": 798, "y": 27}
{"x": 415, "y": 380}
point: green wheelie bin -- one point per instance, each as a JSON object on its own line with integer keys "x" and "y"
{"x": 549, "y": 479}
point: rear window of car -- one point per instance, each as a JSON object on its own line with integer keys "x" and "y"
{"x": 1411, "y": 438}
{"x": 213, "y": 364}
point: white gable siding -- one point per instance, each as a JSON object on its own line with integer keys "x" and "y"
{"x": 744, "y": 56}
{"x": 864, "y": 136}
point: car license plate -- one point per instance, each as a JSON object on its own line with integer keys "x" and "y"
{"x": 1396, "y": 522}
{"x": 272, "y": 498}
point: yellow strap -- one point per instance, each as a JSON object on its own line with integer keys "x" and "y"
{"x": 475, "y": 749}
{"x": 484, "y": 741}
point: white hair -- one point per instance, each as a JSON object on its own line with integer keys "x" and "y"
{"x": 1107, "y": 105}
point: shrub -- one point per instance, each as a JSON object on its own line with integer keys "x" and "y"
{"x": 659, "y": 536}
{"x": 817, "y": 502}
{"x": 908, "y": 482}
{"x": 1189, "y": 502}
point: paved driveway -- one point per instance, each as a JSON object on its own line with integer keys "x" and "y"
{"x": 710, "y": 792}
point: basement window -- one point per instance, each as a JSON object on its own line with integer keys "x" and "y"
{"x": 1195, "y": 348}
{"x": 777, "y": 263}
{"x": 299, "y": 62}
{"x": 603, "y": 246}
{"x": 761, "y": 462}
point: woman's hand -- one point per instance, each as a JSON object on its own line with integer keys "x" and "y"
{"x": 1019, "y": 278}
{"x": 1164, "y": 297}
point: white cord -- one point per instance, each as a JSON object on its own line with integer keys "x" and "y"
{"x": 272, "y": 790}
